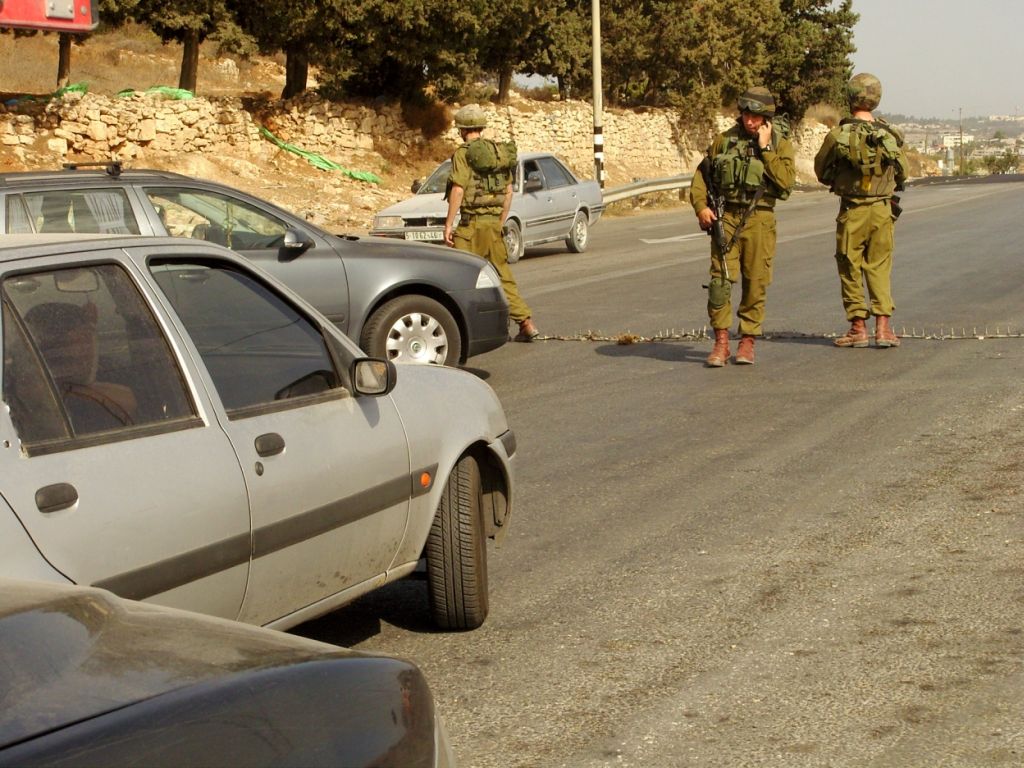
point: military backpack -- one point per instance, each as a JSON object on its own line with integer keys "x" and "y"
{"x": 869, "y": 159}
{"x": 493, "y": 161}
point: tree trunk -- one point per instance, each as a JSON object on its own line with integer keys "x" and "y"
{"x": 296, "y": 68}
{"x": 189, "y": 61}
{"x": 504, "y": 84}
{"x": 63, "y": 59}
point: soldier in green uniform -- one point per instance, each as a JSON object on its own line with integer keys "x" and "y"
{"x": 862, "y": 161}
{"x": 752, "y": 166}
{"x": 482, "y": 210}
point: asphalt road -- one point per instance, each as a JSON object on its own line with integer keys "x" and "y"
{"x": 817, "y": 560}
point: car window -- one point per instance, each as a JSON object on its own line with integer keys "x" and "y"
{"x": 89, "y": 211}
{"x": 259, "y": 349}
{"x": 438, "y": 180}
{"x": 84, "y": 356}
{"x": 530, "y": 166}
{"x": 555, "y": 174}
{"x": 216, "y": 218}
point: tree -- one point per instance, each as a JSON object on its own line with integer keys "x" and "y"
{"x": 189, "y": 22}
{"x": 514, "y": 34}
{"x": 400, "y": 48}
{"x": 301, "y": 29}
{"x": 809, "y": 54}
{"x": 565, "y": 51}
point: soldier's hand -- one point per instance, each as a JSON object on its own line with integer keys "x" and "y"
{"x": 706, "y": 218}
{"x": 448, "y": 237}
{"x": 764, "y": 134}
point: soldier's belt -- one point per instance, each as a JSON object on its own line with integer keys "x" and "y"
{"x": 741, "y": 207}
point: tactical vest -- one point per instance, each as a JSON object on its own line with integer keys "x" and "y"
{"x": 492, "y": 164}
{"x": 867, "y": 159}
{"x": 738, "y": 169}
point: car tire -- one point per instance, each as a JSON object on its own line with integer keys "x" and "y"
{"x": 413, "y": 329}
{"x": 456, "y": 552}
{"x": 579, "y": 234}
{"x": 514, "y": 240}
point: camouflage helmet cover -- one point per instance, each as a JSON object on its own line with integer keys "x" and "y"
{"x": 864, "y": 91}
{"x": 471, "y": 116}
{"x": 758, "y": 101}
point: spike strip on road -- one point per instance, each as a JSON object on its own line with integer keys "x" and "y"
{"x": 704, "y": 333}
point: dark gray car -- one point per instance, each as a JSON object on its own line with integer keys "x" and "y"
{"x": 88, "y": 679}
{"x": 408, "y": 302}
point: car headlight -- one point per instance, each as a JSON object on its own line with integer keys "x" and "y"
{"x": 388, "y": 222}
{"x": 488, "y": 277}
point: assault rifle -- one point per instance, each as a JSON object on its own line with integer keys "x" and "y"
{"x": 717, "y": 204}
{"x": 719, "y": 288}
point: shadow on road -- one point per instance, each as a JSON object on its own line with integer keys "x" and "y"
{"x": 656, "y": 350}
{"x": 402, "y": 604}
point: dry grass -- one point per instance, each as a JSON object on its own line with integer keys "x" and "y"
{"x": 132, "y": 57}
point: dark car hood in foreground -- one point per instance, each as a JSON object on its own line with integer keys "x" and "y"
{"x": 89, "y": 679}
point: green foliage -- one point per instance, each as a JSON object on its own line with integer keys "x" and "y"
{"x": 694, "y": 55}
{"x": 809, "y": 59}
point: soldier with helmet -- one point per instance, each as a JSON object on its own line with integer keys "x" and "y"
{"x": 862, "y": 161}
{"x": 752, "y": 166}
{"x": 483, "y": 207}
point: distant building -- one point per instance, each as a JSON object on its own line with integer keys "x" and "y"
{"x": 951, "y": 140}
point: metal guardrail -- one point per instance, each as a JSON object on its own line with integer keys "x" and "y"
{"x": 646, "y": 186}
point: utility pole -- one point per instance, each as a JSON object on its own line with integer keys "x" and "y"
{"x": 961, "y": 115}
{"x": 595, "y": 20}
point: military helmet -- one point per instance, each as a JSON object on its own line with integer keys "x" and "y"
{"x": 471, "y": 116}
{"x": 864, "y": 91}
{"x": 757, "y": 101}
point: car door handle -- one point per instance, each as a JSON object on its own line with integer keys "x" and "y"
{"x": 54, "y": 498}
{"x": 269, "y": 444}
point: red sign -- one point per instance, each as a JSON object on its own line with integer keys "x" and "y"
{"x": 58, "y": 15}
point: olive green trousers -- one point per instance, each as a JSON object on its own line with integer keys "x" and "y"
{"x": 750, "y": 262}
{"x": 864, "y": 243}
{"x": 481, "y": 235}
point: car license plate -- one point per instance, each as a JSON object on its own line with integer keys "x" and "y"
{"x": 435, "y": 234}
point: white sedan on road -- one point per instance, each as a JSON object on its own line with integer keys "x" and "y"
{"x": 549, "y": 203}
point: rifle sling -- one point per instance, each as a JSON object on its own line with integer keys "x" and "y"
{"x": 758, "y": 193}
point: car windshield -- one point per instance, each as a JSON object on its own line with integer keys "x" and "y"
{"x": 437, "y": 180}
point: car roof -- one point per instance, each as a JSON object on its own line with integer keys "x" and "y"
{"x": 16, "y": 247}
{"x": 92, "y": 172}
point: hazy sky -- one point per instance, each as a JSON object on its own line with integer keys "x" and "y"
{"x": 939, "y": 56}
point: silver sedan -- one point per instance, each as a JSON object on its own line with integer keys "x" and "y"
{"x": 549, "y": 203}
{"x": 180, "y": 427}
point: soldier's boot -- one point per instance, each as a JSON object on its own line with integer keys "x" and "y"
{"x": 720, "y": 352}
{"x": 857, "y": 336}
{"x": 527, "y": 331}
{"x": 745, "y": 351}
{"x": 884, "y": 336}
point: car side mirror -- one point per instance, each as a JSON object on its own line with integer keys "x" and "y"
{"x": 533, "y": 182}
{"x": 295, "y": 243}
{"x": 373, "y": 377}
{"x": 416, "y": 185}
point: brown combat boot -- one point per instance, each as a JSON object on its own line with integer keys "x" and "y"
{"x": 720, "y": 353}
{"x": 527, "y": 331}
{"x": 884, "y": 337}
{"x": 745, "y": 351}
{"x": 857, "y": 336}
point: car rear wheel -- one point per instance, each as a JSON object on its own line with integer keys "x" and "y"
{"x": 579, "y": 235}
{"x": 513, "y": 240}
{"x": 457, "y": 552}
{"x": 413, "y": 329}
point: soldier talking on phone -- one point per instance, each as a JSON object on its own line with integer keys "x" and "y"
{"x": 745, "y": 171}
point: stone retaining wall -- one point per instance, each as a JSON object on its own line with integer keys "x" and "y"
{"x": 90, "y": 126}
